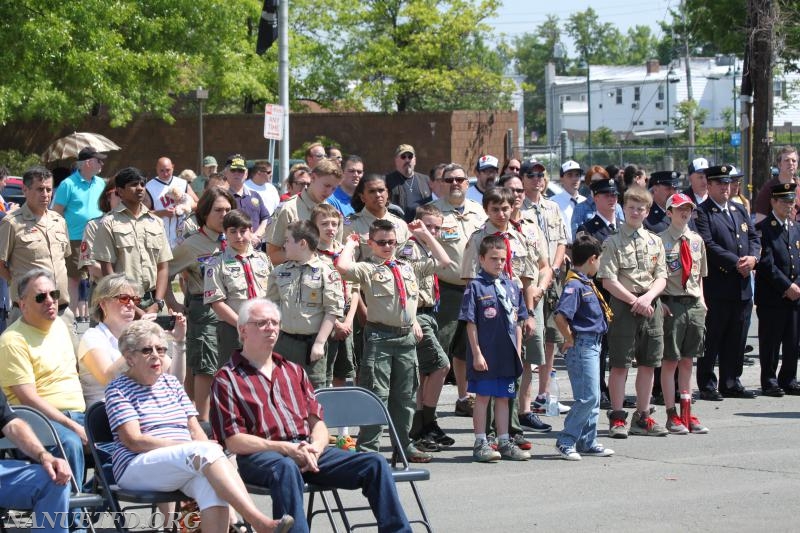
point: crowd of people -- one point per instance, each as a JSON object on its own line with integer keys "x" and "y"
{"x": 393, "y": 282}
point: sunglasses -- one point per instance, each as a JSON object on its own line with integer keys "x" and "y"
{"x": 513, "y": 168}
{"x": 150, "y": 350}
{"x": 406, "y": 156}
{"x": 386, "y": 242}
{"x": 534, "y": 175}
{"x": 515, "y": 190}
{"x": 125, "y": 299}
{"x": 456, "y": 180}
{"x": 54, "y": 295}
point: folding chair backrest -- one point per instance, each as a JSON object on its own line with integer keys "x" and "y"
{"x": 351, "y": 406}
{"x": 98, "y": 429}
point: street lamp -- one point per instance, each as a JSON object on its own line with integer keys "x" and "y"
{"x": 201, "y": 95}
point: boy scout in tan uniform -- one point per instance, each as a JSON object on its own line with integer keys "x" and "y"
{"x": 462, "y": 218}
{"x": 132, "y": 240}
{"x": 34, "y": 236}
{"x": 309, "y": 293}
{"x": 226, "y": 286}
{"x": 389, "y": 363}
{"x": 633, "y": 270}
{"x": 359, "y": 223}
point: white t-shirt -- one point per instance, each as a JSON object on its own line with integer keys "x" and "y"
{"x": 159, "y": 193}
{"x": 97, "y": 338}
{"x": 268, "y": 193}
{"x": 565, "y": 202}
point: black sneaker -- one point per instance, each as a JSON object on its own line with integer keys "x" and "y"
{"x": 426, "y": 444}
{"x": 533, "y": 422}
{"x": 434, "y": 432}
{"x": 605, "y": 402}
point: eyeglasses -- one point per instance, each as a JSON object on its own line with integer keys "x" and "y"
{"x": 456, "y": 180}
{"x": 512, "y": 168}
{"x": 386, "y": 242}
{"x": 125, "y": 299}
{"x": 532, "y": 175}
{"x": 150, "y": 350}
{"x": 407, "y": 156}
{"x": 54, "y": 295}
{"x": 515, "y": 190}
{"x": 261, "y": 323}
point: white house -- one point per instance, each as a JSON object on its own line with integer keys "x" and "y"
{"x": 637, "y": 102}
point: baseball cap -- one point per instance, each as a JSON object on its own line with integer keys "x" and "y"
{"x": 236, "y": 162}
{"x": 404, "y": 148}
{"x": 529, "y": 166}
{"x": 90, "y": 153}
{"x": 209, "y": 161}
{"x": 698, "y": 165}
{"x": 678, "y": 199}
{"x": 570, "y": 165}
{"x": 487, "y": 161}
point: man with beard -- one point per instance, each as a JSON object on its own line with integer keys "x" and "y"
{"x": 486, "y": 172}
{"x": 407, "y": 189}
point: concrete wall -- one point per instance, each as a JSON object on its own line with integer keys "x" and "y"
{"x": 459, "y": 136}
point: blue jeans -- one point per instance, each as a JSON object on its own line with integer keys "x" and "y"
{"x": 27, "y": 486}
{"x": 337, "y": 468}
{"x": 580, "y": 426}
{"x": 73, "y": 447}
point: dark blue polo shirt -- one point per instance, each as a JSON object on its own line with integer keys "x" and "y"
{"x": 251, "y": 204}
{"x": 581, "y": 308}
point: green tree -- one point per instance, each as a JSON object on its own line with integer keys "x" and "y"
{"x": 601, "y": 43}
{"x": 682, "y": 113}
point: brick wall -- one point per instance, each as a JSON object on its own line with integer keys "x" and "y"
{"x": 459, "y": 136}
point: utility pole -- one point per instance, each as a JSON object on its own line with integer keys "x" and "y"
{"x": 689, "y": 92}
{"x": 759, "y": 71}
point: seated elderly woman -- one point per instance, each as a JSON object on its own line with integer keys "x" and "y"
{"x": 159, "y": 443}
{"x": 114, "y": 303}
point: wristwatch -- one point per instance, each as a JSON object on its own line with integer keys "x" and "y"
{"x": 160, "y": 304}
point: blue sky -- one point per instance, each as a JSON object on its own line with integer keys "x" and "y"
{"x": 522, "y": 16}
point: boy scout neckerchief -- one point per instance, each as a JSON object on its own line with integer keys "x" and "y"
{"x": 248, "y": 277}
{"x": 223, "y": 244}
{"x": 436, "y": 293}
{"x": 606, "y": 309}
{"x": 502, "y": 295}
{"x": 335, "y": 258}
{"x": 398, "y": 281}
{"x": 686, "y": 260}
{"x": 507, "y": 267}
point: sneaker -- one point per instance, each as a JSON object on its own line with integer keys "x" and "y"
{"x": 647, "y": 426}
{"x": 674, "y": 423}
{"x": 605, "y": 402}
{"x": 434, "y": 432}
{"x": 346, "y": 443}
{"x": 509, "y": 450}
{"x": 598, "y": 450}
{"x": 464, "y": 407}
{"x": 533, "y": 422}
{"x": 483, "y": 453}
{"x": 427, "y": 444}
{"x": 563, "y": 409}
{"x": 568, "y": 452}
{"x": 539, "y": 405}
{"x": 616, "y": 424}
{"x": 696, "y": 427}
{"x": 415, "y": 455}
{"x": 521, "y": 442}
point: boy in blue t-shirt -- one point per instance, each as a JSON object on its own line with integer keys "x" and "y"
{"x": 492, "y": 308}
{"x": 582, "y": 318}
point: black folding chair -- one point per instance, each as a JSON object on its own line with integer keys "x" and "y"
{"x": 98, "y": 431}
{"x": 48, "y": 436}
{"x": 355, "y": 406}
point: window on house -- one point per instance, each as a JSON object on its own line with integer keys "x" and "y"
{"x": 660, "y": 92}
{"x": 619, "y": 95}
{"x": 637, "y": 93}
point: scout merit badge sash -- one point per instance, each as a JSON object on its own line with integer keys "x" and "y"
{"x": 606, "y": 309}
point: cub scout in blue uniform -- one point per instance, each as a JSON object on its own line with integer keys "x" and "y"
{"x": 236, "y": 275}
{"x": 778, "y": 294}
{"x": 389, "y": 363}
{"x": 684, "y": 307}
{"x": 492, "y": 308}
{"x": 582, "y": 317}
{"x": 309, "y": 293}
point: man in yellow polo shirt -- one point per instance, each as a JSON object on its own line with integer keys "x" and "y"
{"x": 39, "y": 367}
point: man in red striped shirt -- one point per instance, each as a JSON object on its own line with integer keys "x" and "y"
{"x": 264, "y": 411}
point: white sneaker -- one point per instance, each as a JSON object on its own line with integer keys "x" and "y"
{"x": 568, "y": 452}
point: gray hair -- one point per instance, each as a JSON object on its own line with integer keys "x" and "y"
{"x": 108, "y": 287}
{"x": 247, "y": 308}
{"x": 33, "y": 275}
{"x": 136, "y": 333}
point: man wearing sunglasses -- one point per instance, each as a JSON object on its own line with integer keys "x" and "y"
{"x": 261, "y": 182}
{"x": 486, "y": 171}
{"x": 461, "y": 218}
{"x": 34, "y": 236}
{"x": 407, "y": 188}
{"x": 39, "y": 366}
{"x": 248, "y": 202}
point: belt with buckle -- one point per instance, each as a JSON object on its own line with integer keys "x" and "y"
{"x": 299, "y": 336}
{"x": 683, "y": 300}
{"x": 404, "y": 330}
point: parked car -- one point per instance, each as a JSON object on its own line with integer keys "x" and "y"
{"x": 12, "y": 192}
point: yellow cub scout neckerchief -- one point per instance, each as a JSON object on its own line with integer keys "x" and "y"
{"x": 606, "y": 309}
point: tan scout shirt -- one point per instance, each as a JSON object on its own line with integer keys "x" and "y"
{"x": 325, "y": 256}
{"x": 297, "y": 207}
{"x": 305, "y": 294}
{"x": 87, "y": 243}
{"x": 28, "y": 242}
{"x": 225, "y": 279}
{"x": 672, "y": 249}
{"x": 524, "y": 255}
{"x": 555, "y": 231}
{"x": 636, "y": 262}
{"x": 456, "y": 230}
{"x": 193, "y": 256}
{"x": 380, "y": 292}
{"x": 360, "y": 222}
{"x": 135, "y": 246}
{"x": 413, "y": 252}
{"x": 530, "y": 228}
